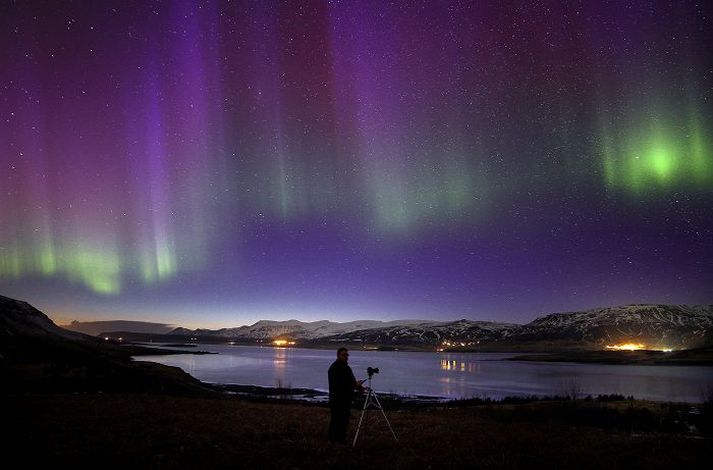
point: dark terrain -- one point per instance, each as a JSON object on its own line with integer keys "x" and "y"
{"x": 38, "y": 356}
{"x": 78, "y": 401}
{"x": 168, "y": 431}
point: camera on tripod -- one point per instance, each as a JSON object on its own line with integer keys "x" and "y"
{"x": 371, "y": 400}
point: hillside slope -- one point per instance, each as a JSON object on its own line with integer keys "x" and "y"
{"x": 36, "y": 355}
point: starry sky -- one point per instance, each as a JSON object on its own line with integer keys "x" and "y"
{"x": 219, "y": 162}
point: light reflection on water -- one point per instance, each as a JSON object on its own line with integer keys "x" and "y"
{"x": 452, "y": 375}
{"x": 280, "y": 359}
{"x": 462, "y": 366}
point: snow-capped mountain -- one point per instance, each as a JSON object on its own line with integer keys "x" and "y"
{"x": 270, "y": 329}
{"x": 465, "y": 331}
{"x": 656, "y": 326}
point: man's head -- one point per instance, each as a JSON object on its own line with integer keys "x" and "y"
{"x": 343, "y": 354}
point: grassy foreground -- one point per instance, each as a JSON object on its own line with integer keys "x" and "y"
{"x": 162, "y": 431}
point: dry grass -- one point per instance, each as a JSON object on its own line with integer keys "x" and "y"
{"x": 155, "y": 431}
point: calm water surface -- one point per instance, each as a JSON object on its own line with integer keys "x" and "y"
{"x": 449, "y": 375}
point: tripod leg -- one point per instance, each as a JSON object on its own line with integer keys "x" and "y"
{"x": 361, "y": 419}
{"x": 387, "y": 419}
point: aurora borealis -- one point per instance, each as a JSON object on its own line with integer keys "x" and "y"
{"x": 215, "y": 163}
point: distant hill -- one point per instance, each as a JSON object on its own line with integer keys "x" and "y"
{"x": 95, "y": 328}
{"x": 36, "y": 355}
{"x": 656, "y": 326}
{"x": 467, "y": 332}
{"x": 270, "y": 329}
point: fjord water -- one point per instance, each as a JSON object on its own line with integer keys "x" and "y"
{"x": 448, "y": 375}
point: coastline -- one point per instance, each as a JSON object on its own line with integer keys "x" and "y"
{"x": 321, "y": 397}
{"x": 688, "y": 357}
{"x": 255, "y": 387}
{"x": 263, "y": 394}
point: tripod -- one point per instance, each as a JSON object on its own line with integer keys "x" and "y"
{"x": 371, "y": 400}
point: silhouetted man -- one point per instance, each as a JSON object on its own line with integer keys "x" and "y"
{"x": 341, "y": 391}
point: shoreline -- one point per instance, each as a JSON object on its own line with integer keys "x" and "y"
{"x": 688, "y": 357}
{"x": 277, "y": 392}
{"x": 318, "y": 397}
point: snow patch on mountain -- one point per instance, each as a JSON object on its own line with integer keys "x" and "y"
{"x": 657, "y": 326}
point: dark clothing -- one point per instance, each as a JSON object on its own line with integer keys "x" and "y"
{"x": 341, "y": 392}
{"x": 341, "y": 385}
{"x": 338, "y": 424}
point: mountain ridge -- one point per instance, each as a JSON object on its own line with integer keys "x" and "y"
{"x": 94, "y": 328}
{"x": 658, "y": 326}
{"x": 661, "y": 326}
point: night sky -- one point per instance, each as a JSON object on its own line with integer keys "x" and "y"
{"x": 215, "y": 163}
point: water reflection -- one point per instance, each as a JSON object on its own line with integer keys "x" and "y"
{"x": 451, "y": 375}
{"x": 462, "y": 366}
{"x": 279, "y": 363}
{"x": 280, "y": 358}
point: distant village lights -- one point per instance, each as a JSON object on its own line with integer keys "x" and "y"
{"x": 455, "y": 344}
{"x": 282, "y": 342}
{"x": 626, "y": 347}
{"x": 634, "y": 347}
